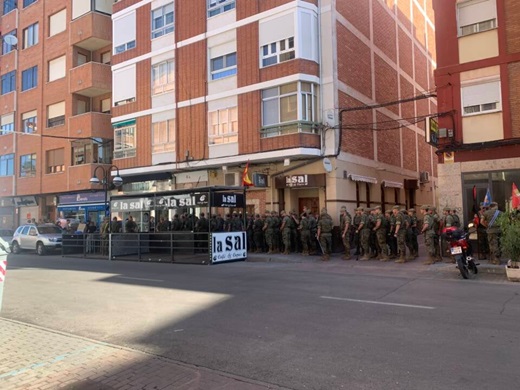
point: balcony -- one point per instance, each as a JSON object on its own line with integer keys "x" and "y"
{"x": 91, "y": 31}
{"x": 91, "y": 124}
{"x": 91, "y": 79}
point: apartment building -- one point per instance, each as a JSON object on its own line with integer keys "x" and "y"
{"x": 478, "y": 83}
{"x": 202, "y": 88}
{"x": 55, "y": 101}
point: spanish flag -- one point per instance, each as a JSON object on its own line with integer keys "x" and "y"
{"x": 246, "y": 181}
{"x": 515, "y": 197}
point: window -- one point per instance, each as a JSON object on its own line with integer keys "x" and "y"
{"x": 163, "y": 136}
{"x": 124, "y": 139}
{"x": 29, "y": 78}
{"x": 27, "y": 3}
{"x": 223, "y": 126}
{"x": 279, "y": 51}
{"x": 476, "y": 16}
{"x": 57, "y": 68}
{"x": 55, "y": 160}
{"x": 216, "y": 7}
{"x": 81, "y": 59}
{"x": 28, "y": 165}
{"x": 57, "y": 22}
{"x": 92, "y": 151}
{"x": 29, "y": 122}
{"x": 7, "y": 165}
{"x": 30, "y": 36}
{"x": 124, "y": 33}
{"x": 56, "y": 114}
{"x": 8, "y": 82}
{"x": 224, "y": 66}
{"x": 162, "y": 21}
{"x": 7, "y": 124}
{"x": 163, "y": 77}
{"x": 481, "y": 98}
{"x": 105, "y": 58}
{"x": 124, "y": 85}
{"x": 105, "y": 106}
{"x": 289, "y": 108}
{"x": 8, "y": 44}
{"x": 9, "y": 5}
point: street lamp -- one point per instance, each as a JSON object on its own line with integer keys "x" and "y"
{"x": 116, "y": 180}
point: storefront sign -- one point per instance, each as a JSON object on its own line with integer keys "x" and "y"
{"x": 6, "y": 202}
{"x": 259, "y": 180}
{"x": 160, "y": 202}
{"x": 230, "y": 246}
{"x": 25, "y": 201}
{"x": 226, "y": 199}
{"x": 84, "y": 197}
{"x": 300, "y": 181}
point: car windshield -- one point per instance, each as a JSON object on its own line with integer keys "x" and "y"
{"x": 49, "y": 230}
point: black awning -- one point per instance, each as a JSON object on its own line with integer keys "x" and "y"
{"x": 146, "y": 177}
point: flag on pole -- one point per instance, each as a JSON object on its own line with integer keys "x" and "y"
{"x": 487, "y": 198}
{"x": 515, "y": 197}
{"x": 246, "y": 181}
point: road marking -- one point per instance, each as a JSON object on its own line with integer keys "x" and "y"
{"x": 146, "y": 280}
{"x": 380, "y": 303}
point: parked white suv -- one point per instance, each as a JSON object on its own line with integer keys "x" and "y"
{"x": 37, "y": 237}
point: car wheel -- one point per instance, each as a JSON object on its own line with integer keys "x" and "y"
{"x": 40, "y": 249}
{"x": 15, "y": 248}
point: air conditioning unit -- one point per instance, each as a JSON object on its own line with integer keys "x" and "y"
{"x": 424, "y": 177}
{"x": 231, "y": 179}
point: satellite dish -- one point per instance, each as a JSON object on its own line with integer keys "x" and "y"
{"x": 10, "y": 39}
{"x": 327, "y": 165}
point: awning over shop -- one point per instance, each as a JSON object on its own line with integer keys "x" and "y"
{"x": 392, "y": 184}
{"x": 365, "y": 179}
{"x": 147, "y": 177}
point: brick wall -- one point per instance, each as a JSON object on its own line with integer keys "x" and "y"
{"x": 191, "y": 67}
{"x": 514, "y": 98}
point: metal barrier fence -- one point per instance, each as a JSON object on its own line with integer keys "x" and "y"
{"x": 175, "y": 247}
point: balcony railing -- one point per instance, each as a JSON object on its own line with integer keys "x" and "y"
{"x": 289, "y": 128}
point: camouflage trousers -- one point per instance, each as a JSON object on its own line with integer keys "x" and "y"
{"x": 286, "y": 237}
{"x": 381, "y": 241}
{"x": 365, "y": 241}
{"x": 401, "y": 242}
{"x": 346, "y": 244}
{"x": 494, "y": 245}
{"x": 305, "y": 236}
{"x": 270, "y": 239}
{"x": 326, "y": 243}
{"x": 429, "y": 239}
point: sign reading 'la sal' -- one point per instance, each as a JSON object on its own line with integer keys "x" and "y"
{"x": 231, "y": 246}
{"x": 300, "y": 181}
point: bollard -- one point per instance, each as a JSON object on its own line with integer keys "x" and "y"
{"x": 4, "y": 250}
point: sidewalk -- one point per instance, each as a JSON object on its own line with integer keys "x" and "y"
{"x": 32, "y": 357}
{"x": 487, "y": 272}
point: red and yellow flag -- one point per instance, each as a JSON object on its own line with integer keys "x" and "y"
{"x": 246, "y": 181}
{"x": 515, "y": 197}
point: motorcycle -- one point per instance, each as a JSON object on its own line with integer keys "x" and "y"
{"x": 460, "y": 249}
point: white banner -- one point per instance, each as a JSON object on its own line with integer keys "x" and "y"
{"x": 229, "y": 246}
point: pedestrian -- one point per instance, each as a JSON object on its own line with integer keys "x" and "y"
{"x": 345, "y": 224}
{"x": 89, "y": 231}
{"x": 130, "y": 225}
{"x": 324, "y": 234}
{"x": 105, "y": 230}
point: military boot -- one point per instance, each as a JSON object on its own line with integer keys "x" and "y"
{"x": 365, "y": 258}
{"x": 401, "y": 259}
{"x": 346, "y": 257}
{"x": 429, "y": 261}
{"x": 384, "y": 257}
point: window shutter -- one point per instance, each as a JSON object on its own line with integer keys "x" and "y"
{"x": 476, "y": 11}
{"x": 57, "y": 68}
{"x": 478, "y": 94}
{"x": 56, "y": 110}
{"x": 124, "y": 84}
{"x": 58, "y": 22}
{"x": 124, "y": 29}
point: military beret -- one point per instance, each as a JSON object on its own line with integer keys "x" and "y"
{"x": 396, "y": 207}
{"x": 377, "y": 208}
{"x": 343, "y": 208}
{"x": 360, "y": 209}
{"x": 425, "y": 207}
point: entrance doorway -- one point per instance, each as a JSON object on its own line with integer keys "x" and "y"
{"x": 312, "y": 203}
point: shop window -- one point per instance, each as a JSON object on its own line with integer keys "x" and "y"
{"x": 55, "y": 160}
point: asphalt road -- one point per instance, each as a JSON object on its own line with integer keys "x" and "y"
{"x": 301, "y": 326}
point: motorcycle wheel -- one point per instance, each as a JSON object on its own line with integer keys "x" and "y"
{"x": 472, "y": 267}
{"x": 462, "y": 268}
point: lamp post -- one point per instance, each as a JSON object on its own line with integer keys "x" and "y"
{"x": 116, "y": 180}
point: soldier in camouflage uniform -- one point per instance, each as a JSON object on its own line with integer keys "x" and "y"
{"x": 285, "y": 228}
{"x": 313, "y": 227}
{"x": 277, "y": 233}
{"x": 437, "y": 230}
{"x": 380, "y": 232}
{"x": 400, "y": 234}
{"x": 236, "y": 224}
{"x": 325, "y": 233}
{"x": 345, "y": 223}
{"x": 305, "y": 234}
{"x": 483, "y": 247}
{"x": 446, "y": 221}
{"x": 413, "y": 232}
{"x": 363, "y": 232}
{"x": 258, "y": 233}
{"x": 295, "y": 237}
{"x": 489, "y": 220}
{"x": 356, "y": 221}
{"x": 392, "y": 239}
{"x": 268, "y": 229}
{"x": 429, "y": 234}
{"x": 456, "y": 219}
{"x": 372, "y": 241}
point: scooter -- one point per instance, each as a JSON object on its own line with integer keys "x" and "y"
{"x": 460, "y": 249}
